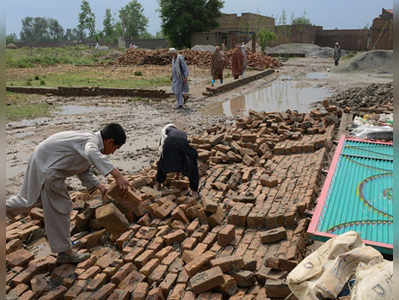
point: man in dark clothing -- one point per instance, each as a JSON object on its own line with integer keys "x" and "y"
{"x": 177, "y": 156}
{"x": 337, "y": 53}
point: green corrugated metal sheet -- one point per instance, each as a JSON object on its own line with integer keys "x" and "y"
{"x": 359, "y": 195}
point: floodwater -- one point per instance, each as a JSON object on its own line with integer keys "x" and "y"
{"x": 80, "y": 109}
{"x": 316, "y": 75}
{"x": 281, "y": 95}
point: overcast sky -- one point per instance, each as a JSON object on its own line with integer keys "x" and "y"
{"x": 343, "y": 14}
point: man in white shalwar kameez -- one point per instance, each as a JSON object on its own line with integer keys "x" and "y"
{"x": 60, "y": 156}
{"x": 179, "y": 77}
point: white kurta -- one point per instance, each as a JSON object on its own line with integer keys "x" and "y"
{"x": 61, "y": 155}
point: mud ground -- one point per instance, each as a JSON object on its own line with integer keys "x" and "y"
{"x": 144, "y": 119}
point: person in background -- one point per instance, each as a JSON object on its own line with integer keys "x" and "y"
{"x": 337, "y": 53}
{"x": 62, "y": 155}
{"x": 179, "y": 77}
{"x": 245, "y": 62}
{"x": 217, "y": 66}
{"x": 176, "y": 155}
{"x": 237, "y": 61}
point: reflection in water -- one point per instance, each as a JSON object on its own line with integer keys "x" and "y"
{"x": 80, "y": 109}
{"x": 280, "y": 96}
{"x": 316, "y": 75}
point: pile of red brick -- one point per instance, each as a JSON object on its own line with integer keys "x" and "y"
{"x": 192, "y": 57}
{"x": 238, "y": 242}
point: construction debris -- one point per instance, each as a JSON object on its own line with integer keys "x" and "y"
{"x": 133, "y": 56}
{"x": 377, "y": 98}
{"x": 259, "y": 174}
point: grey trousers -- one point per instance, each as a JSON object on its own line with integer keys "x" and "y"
{"x": 57, "y": 207}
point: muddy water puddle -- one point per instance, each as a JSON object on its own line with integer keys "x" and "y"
{"x": 80, "y": 109}
{"x": 280, "y": 95}
{"x": 316, "y": 75}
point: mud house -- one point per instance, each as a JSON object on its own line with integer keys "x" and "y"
{"x": 233, "y": 28}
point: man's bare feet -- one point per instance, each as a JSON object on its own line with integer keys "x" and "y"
{"x": 157, "y": 186}
{"x": 196, "y": 195}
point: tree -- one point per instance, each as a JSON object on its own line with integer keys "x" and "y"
{"x": 34, "y": 29}
{"x": 55, "y": 30}
{"x": 159, "y": 35}
{"x": 87, "y": 21}
{"x": 264, "y": 37}
{"x": 181, "y": 18}
{"x": 11, "y": 38}
{"x": 133, "y": 23}
{"x": 301, "y": 20}
{"x": 108, "y": 25}
{"x": 283, "y": 18}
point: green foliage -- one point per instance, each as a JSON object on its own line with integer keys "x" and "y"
{"x": 283, "y": 18}
{"x": 41, "y": 30}
{"x": 109, "y": 33}
{"x": 133, "y": 23}
{"x": 264, "y": 37}
{"x": 11, "y": 38}
{"x": 87, "y": 21}
{"x": 181, "y": 18}
{"x": 301, "y": 20}
{"x": 138, "y": 73}
{"x": 159, "y": 35}
{"x": 76, "y": 55}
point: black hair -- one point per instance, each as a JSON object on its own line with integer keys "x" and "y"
{"x": 114, "y": 131}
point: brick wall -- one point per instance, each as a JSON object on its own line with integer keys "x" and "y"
{"x": 301, "y": 33}
{"x": 382, "y": 34}
{"x": 357, "y": 39}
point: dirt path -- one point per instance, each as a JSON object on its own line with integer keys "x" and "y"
{"x": 144, "y": 119}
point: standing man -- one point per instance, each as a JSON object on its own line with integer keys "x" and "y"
{"x": 177, "y": 156}
{"x": 245, "y": 62}
{"x": 179, "y": 77}
{"x": 237, "y": 61}
{"x": 217, "y": 66}
{"x": 337, "y": 53}
{"x": 60, "y": 156}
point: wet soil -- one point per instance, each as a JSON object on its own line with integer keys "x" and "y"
{"x": 299, "y": 83}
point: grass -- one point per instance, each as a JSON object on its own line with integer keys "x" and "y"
{"x": 24, "y": 106}
{"x": 74, "y": 55}
{"x": 90, "y": 78}
{"x": 349, "y": 55}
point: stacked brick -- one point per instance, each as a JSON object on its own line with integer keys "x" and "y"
{"x": 192, "y": 57}
{"x": 238, "y": 242}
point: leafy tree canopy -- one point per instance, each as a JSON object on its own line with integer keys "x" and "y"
{"x": 181, "y": 18}
{"x": 133, "y": 23}
{"x": 40, "y": 29}
{"x": 264, "y": 37}
{"x": 87, "y": 21}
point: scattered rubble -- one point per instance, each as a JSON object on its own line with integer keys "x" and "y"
{"x": 239, "y": 241}
{"x": 192, "y": 57}
{"x": 376, "y": 98}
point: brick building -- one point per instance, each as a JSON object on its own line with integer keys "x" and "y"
{"x": 233, "y": 28}
{"x": 382, "y": 31}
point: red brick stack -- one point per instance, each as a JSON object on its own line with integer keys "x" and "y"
{"x": 238, "y": 242}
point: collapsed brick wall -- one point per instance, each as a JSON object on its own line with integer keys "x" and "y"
{"x": 239, "y": 242}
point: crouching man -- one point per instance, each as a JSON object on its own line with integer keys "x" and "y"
{"x": 60, "y": 156}
{"x": 177, "y": 156}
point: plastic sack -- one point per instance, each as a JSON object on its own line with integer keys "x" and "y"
{"x": 323, "y": 273}
{"x": 374, "y": 282}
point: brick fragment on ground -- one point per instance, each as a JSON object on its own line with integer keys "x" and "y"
{"x": 273, "y": 235}
{"x": 112, "y": 219}
{"x": 226, "y": 235}
{"x": 207, "y": 280}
